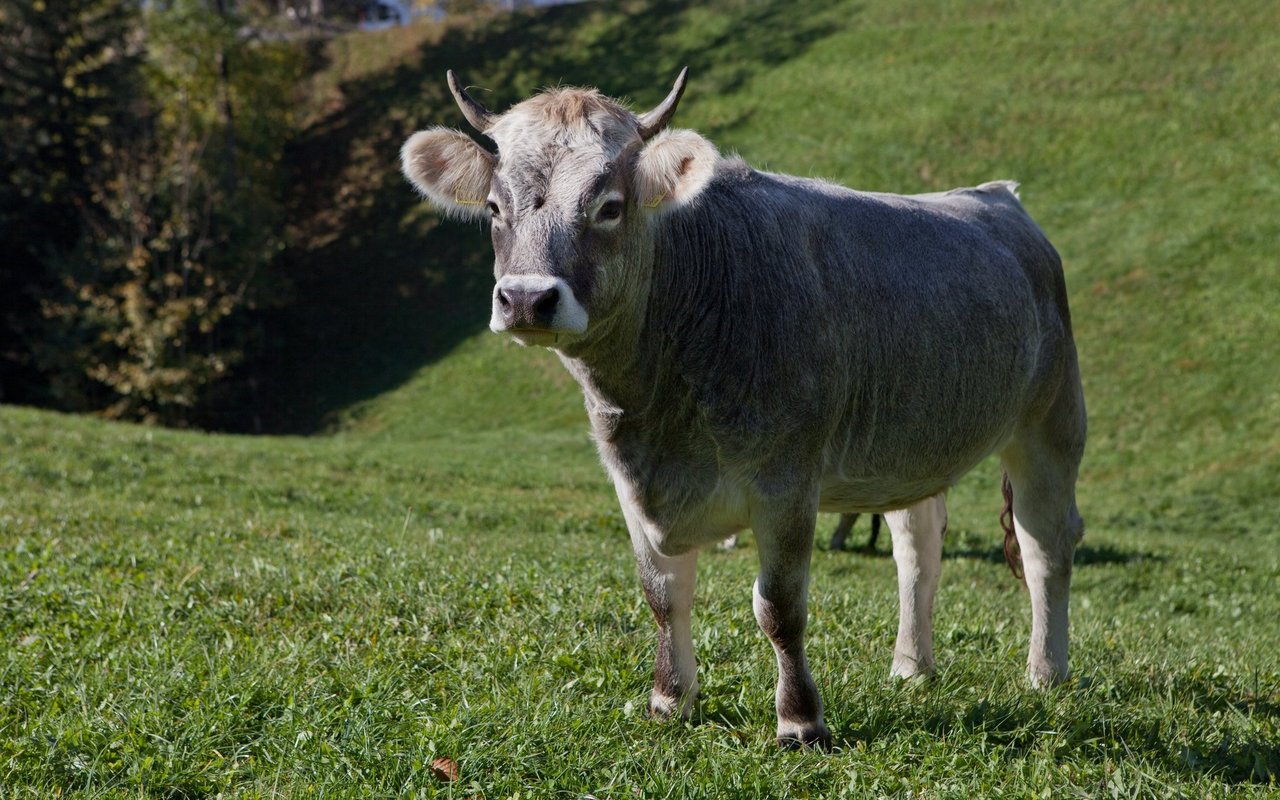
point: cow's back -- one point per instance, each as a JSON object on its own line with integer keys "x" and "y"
{"x": 894, "y": 340}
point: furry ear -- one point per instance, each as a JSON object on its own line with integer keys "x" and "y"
{"x": 450, "y": 169}
{"x": 673, "y": 168}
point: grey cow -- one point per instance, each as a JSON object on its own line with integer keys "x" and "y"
{"x": 754, "y": 348}
{"x": 843, "y": 528}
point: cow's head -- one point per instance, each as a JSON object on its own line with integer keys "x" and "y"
{"x": 576, "y": 180}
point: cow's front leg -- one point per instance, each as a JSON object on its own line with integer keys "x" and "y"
{"x": 668, "y": 586}
{"x": 917, "y": 550}
{"x": 784, "y": 539}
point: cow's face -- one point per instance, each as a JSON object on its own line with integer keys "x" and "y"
{"x": 570, "y": 194}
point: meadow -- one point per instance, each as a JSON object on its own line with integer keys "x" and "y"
{"x": 424, "y": 559}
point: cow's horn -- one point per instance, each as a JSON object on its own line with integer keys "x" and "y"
{"x": 480, "y": 117}
{"x": 651, "y": 122}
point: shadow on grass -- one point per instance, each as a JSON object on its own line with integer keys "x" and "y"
{"x": 381, "y": 287}
{"x": 1092, "y": 732}
{"x": 1086, "y": 555}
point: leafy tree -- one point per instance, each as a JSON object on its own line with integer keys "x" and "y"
{"x": 170, "y": 230}
{"x": 69, "y": 90}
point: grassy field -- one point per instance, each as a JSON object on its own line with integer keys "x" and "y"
{"x": 443, "y": 572}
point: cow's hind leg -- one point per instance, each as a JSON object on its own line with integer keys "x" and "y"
{"x": 917, "y": 550}
{"x": 1042, "y": 462}
{"x": 784, "y": 538}
{"x": 668, "y": 586}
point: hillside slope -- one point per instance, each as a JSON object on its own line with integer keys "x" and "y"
{"x": 1144, "y": 137}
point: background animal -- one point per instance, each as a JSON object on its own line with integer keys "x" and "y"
{"x": 838, "y": 536}
{"x": 845, "y": 525}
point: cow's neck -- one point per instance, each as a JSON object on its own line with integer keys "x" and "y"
{"x": 639, "y": 364}
{"x": 619, "y": 368}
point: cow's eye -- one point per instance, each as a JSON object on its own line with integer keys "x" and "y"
{"x": 493, "y": 209}
{"x": 609, "y": 211}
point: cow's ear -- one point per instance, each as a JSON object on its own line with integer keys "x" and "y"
{"x": 673, "y": 169}
{"x": 450, "y": 169}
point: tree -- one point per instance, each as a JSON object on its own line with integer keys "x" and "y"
{"x": 137, "y": 286}
{"x": 69, "y": 86}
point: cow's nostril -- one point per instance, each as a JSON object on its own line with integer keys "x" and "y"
{"x": 503, "y": 300}
{"x": 546, "y": 304}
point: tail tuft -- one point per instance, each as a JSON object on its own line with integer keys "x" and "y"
{"x": 1012, "y": 556}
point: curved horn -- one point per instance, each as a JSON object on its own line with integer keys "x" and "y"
{"x": 480, "y": 117}
{"x": 651, "y": 122}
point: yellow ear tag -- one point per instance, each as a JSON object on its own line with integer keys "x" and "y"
{"x": 462, "y": 202}
{"x": 655, "y": 202}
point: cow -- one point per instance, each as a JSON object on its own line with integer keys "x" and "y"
{"x": 754, "y": 348}
{"x": 845, "y": 526}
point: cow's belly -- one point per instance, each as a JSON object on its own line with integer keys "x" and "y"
{"x": 888, "y": 473}
{"x": 876, "y": 495}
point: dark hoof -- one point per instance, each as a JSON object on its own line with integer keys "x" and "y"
{"x": 816, "y": 737}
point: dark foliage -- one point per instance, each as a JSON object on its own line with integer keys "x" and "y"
{"x": 142, "y": 201}
{"x": 69, "y": 94}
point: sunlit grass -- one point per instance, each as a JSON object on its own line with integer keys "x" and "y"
{"x": 188, "y": 615}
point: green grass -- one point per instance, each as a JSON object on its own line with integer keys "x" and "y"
{"x": 446, "y": 573}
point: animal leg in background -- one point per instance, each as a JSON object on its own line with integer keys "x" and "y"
{"x": 847, "y": 521}
{"x": 841, "y": 533}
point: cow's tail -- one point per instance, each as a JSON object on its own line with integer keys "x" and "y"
{"x": 1012, "y": 555}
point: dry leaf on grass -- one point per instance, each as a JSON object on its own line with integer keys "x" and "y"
{"x": 446, "y": 769}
